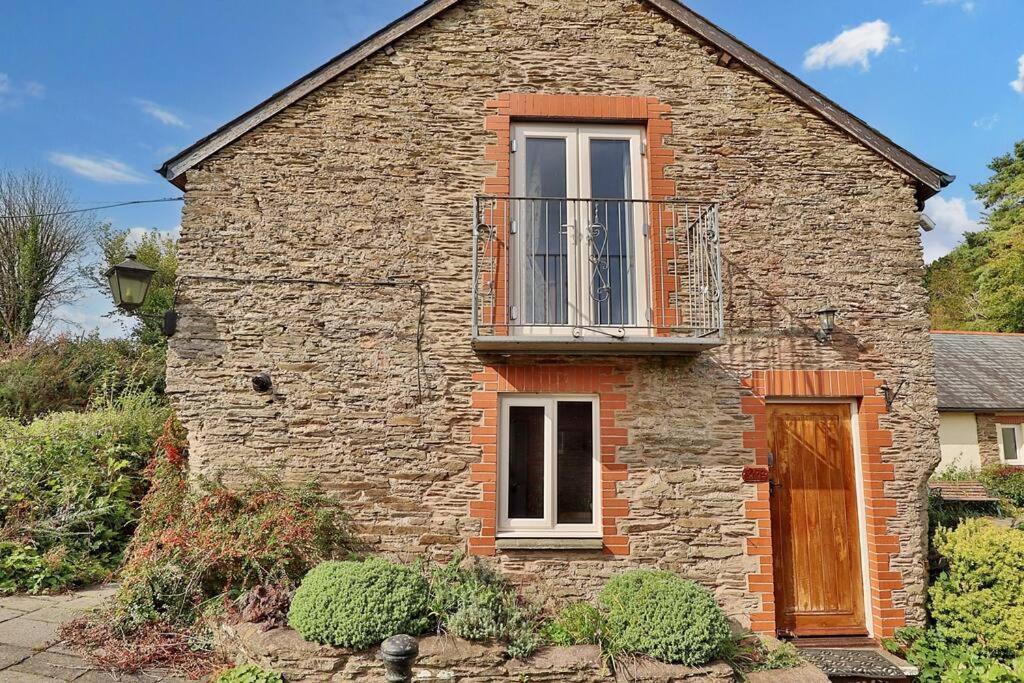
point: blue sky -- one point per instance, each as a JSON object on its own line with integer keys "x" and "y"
{"x": 101, "y": 93}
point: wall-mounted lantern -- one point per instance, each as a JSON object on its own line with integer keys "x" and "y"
{"x": 826, "y": 324}
{"x": 129, "y": 282}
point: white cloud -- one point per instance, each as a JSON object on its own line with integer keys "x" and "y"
{"x": 966, "y": 5}
{"x": 160, "y": 113}
{"x": 1018, "y": 84}
{"x": 12, "y": 95}
{"x": 100, "y": 170}
{"x": 986, "y": 122}
{"x": 86, "y": 316}
{"x": 952, "y": 220}
{"x": 852, "y": 46}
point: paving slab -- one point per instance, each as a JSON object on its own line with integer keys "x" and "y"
{"x": 27, "y": 632}
{"x": 27, "y": 603}
{"x": 60, "y": 667}
{"x": 8, "y": 614}
{"x": 11, "y": 655}
{"x": 56, "y": 614}
{"x": 22, "y": 677}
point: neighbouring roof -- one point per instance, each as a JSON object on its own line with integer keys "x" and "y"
{"x": 930, "y": 179}
{"x": 963, "y": 491}
{"x": 979, "y": 371}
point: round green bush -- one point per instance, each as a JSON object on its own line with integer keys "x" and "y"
{"x": 979, "y": 600}
{"x": 359, "y": 604}
{"x": 659, "y": 614}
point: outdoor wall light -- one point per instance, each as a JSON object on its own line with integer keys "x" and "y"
{"x": 129, "y": 282}
{"x": 827, "y": 323}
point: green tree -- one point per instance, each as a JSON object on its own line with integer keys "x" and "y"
{"x": 980, "y": 284}
{"x": 157, "y": 251}
{"x": 41, "y": 241}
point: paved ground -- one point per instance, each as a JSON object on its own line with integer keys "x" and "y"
{"x": 28, "y": 627}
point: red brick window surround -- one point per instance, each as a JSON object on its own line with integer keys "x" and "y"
{"x": 864, "y": 387}
{"x": 608, "y": 383}
{"x": 646, "y": 111}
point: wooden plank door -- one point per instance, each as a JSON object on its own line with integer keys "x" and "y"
{"x": 815, "y": 530}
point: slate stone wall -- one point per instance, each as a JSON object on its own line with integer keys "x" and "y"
{"x": 373, "y": 177}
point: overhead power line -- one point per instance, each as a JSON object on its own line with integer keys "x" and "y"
{"x": 95, "y": 208}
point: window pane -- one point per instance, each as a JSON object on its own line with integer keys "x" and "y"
{"x": 546, "y": 248}
{"x": 1009, "y": 443}
{"x": 575, "y": 462}
{"x": 611, "y": 232}
{"x": 525, "y": 462}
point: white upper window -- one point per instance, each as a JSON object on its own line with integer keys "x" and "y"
{"x": 1011, "y": 445}
{"x": 579, "y": 256}
{"x": 549, "y": 473}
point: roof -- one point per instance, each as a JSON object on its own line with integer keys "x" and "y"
{"x": 979, "y": 371}
{"x": 962, "y": 491}
{"x": 930, "y": 179}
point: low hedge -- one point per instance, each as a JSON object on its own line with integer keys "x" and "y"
{"x": 979, "y": 600}
{"x": 660, "y": 614}
{"x": 359, "y": 604}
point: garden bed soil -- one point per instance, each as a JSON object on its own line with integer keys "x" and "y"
{"x": 441, "y": 658}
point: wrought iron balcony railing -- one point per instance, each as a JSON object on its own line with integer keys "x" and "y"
{"x": 596, "y": 275}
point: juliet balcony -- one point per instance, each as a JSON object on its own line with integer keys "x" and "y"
{"x": 596, "y": 276}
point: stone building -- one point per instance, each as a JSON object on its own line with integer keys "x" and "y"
{"x": 980, "y": 379}
{"x": 542, "y": 280}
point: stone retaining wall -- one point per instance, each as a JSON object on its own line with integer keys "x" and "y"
{"x": 442, "y": 658}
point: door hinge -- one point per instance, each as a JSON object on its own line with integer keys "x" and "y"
{"x": 643, "y": 149}
{"x": 513, "y": 313}
{"x": 514, "y": 227}
{"x": 647, "y": 229}
{"x": 514, "y": 146}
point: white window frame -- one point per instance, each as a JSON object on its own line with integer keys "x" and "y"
{"x": 578, "y": 186}
{"x": 547, "y": 527}
{"x": 1018, "y": 431}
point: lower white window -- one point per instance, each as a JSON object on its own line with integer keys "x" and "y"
{"x": 549, "y": 467}
{"x": 1011, "y": 444}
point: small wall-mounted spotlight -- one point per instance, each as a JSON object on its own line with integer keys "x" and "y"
{"x": 827, "y": 324}
{"x": 262, "y": 382}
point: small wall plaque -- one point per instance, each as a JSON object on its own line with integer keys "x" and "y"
{"x": 755, "y": 475}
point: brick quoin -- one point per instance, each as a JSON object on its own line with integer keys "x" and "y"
{"x": 864, "y": 387}
{"x": 646, "y": 111}
{"x": 609, "y": 384}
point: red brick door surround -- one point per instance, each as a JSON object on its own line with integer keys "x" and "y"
{"x": 842, "y": 385}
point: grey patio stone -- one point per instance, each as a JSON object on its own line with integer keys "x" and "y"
{"x": 11, "y": 655}
{"x": 27, "y": 603}
{"x": 22, "y": 677}
{"x": 53, "y": 665}
{"x": 27, "y": 632}
{"x": 6, "y": 614}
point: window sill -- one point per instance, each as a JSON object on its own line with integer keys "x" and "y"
{"x": 549, "y": 543}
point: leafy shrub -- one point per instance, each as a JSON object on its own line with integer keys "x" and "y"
{"x": 195, "y": 549}
{"x": 979, "y": 600}
{"x": 747, "y": 653}
{"x": 579, "y": 623}
{"x": 657, "y": 613}
{"x": 70, "y": 484}
{"x": 209, "y": 542}
{"x": 249, "y": 673}
{"x": 474, "y": 603}
{"x": 68, "y": 374}
{"x": 1006, "y": 482}
{"x": 359, "y": 604}
{"x": 941, "y": 661}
